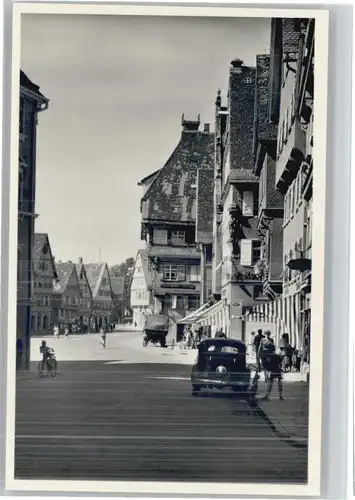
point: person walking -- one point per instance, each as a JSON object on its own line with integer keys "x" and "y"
{"x": 55, "y": 331}
{"x": 257, "y": 340}
{"x": 66, "y": 331}
{"x": 266, "y": 348}
{"x": 274, "y": 367}
{"x": 103, "y": 337}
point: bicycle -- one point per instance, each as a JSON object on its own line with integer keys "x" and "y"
{"x": 48, "y": 367}
{"x": 286, "y": 363}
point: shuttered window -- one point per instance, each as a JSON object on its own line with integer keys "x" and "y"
{"x": 246, "y": 252}
{"x": 160, "y": 237}
{"x": 248, "y": 203}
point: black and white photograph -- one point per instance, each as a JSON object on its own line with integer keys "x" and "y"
{"x": 168, "y": 204}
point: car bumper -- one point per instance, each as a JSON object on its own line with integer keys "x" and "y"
{"x": 218, "y": 382}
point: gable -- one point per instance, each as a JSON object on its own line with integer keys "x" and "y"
{"x": 172, "y": 196}
{"x": 67, "y": 278}
{"x": 42, "y": 253}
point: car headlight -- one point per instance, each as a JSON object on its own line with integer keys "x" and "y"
{"x": 221, "y": 370}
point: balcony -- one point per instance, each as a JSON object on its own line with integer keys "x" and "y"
{"x": 172, "y": 252}
{"x": 291, "y": 155}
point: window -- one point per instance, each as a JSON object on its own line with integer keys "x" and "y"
{"x": 160, "y": 237}
{"x": 104, "y": 281}
{"x": 249, "y": 252}
{"x": 247, "y": 79}
{"x": 174, "y": 273}
{"x": 195, "y": 273}
{"x": 248, "y": 203}
{"x": 193, "y": 302}
{"x": 43, "y": 266}
{"x": 180, "y": 302}
{"x": 39, "y": 323}
{"x": 178, "y": 237}
{"x": 33, "y": 322}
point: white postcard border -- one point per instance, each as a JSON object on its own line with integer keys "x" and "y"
{"x": 318, "y": 243}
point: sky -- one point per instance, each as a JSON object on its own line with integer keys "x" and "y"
{"x": 117, "y": 87}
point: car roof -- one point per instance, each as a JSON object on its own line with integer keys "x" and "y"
{"x": 223, "y": 341}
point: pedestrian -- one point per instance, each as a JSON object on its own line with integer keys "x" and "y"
{"x": 257, "y": 339}
{"x": 274, "y": 367}
{"x": 66, "y": 331}
{"x": 103, "y": 337}
{"x": 55, "y": 331}
{"x": 266, "y": 348}
{"x": 220, "y": 334}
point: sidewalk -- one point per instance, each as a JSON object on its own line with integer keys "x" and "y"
{"x": 289, "y": 418}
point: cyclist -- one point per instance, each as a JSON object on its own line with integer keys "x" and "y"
{"x": 45, "y": 351}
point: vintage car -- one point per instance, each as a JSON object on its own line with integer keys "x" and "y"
{"x": 221, "y": 363}
{"x": 156, "y": 329}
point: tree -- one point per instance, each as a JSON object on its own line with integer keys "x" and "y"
{"x": 125, "y": 270}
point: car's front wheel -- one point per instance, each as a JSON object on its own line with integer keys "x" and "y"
{"x": 196, "y": 389}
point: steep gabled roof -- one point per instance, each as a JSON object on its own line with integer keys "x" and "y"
{"x": 94, "y": 273}
{"x": 39, "y": 242}
{"x": 64, "y": 271}
{"x": 148, "y": 178}
{"x": 143, "y": 254}
{"x": 171, "y": 196}
{"x": 80, "y": 269}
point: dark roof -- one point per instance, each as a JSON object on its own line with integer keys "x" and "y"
{"x": 148, "y": 177}
{"x": 29, "y": 85}
{"x": 227, "y": 342}
{"x": 171, "y": 196}
{"x": 145, "y": 264}
{"x": 117, "y": 285}
{"x": 94, "y": 274}
{"x": 64, "y": 271}
{"x": 242, "y": 175}
{"x": 204, "y": 212}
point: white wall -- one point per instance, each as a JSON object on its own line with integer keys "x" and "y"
{"x": 139, "y": 290}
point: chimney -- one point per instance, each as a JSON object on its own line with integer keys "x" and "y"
{"x": 69, "y": 262}
{"x": 206, "y": 128}
{"x": 80, "y": 260}
{"x": 236, "y": 66}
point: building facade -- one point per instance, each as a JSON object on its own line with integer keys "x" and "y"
{"x": 291, "y": 94}
{"x": 43, "y": 278}
{"x": 236, "y": 246}
{"x": 168, "y": 209}
{"x": 141, "y": 289}
{"x": 32, "y": 102}
{"x": 102, "y": 302}
{"x": 85, "y": 301}
{"x": 66, "y": 295}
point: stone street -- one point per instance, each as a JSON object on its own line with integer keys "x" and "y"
{"x": 127, "y": 413}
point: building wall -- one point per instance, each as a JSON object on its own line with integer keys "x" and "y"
{"x": 66, "y": 305}
{"x": 26, "y": 207}
{"x": 43, "y": 276}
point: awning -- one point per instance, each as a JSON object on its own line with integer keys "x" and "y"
{"x": 205, "y": 312}
{"x": 191, "y": 318}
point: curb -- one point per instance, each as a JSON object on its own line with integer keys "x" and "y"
{"x": 291, "y": 438}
